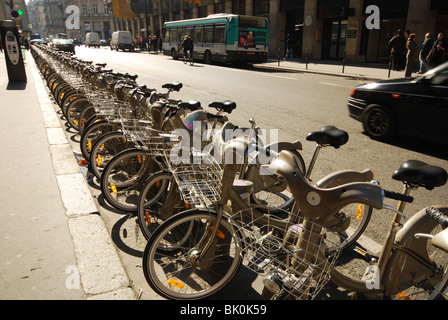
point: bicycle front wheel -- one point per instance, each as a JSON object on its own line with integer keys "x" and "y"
{"x": 170, "y": 261}
{"x": 158, "y": 200}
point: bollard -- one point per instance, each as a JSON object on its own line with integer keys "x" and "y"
{"x": 278, "y": 56}
{"x": 306, "y": 59}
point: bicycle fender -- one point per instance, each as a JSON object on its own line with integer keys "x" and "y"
{"x": 410, "y": 254}
{"x": 345, "y": 176}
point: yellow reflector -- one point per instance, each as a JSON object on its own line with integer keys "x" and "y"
{"x": 99, "y": 160}
{"x": 176, "y": 283}
{"x": 114, "y": 189}
{"x": 62, "y": 95}
{"x": 139, "y": 159}
{"x": 89, "y": 144}
{"x": 359, "y": 212}
{"x": 72, "y": 98}
{"x": 75, "y": 122}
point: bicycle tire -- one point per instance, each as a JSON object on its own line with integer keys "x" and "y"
{"x": 121, "y": 178}
{"x": 158, "y": 199}
{"x": 347, "y": 226}
{"x": 190, "y": 58}
{"x": 174, "y": 244}
{"x": 73, "y": 111}
{"x": 91, "y": 134}
{"x": 105, "y": 149}
{"x": 86, "y": 115}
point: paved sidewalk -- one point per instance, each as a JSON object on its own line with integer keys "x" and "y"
{"x": 54, "y": 243}
{"x": 363, "y": 71}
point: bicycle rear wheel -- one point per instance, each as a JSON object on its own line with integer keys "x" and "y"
{"x": 169, "y": 260}
{"x": 121, "y": 179}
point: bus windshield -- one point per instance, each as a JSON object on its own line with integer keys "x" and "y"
{"x": 252, "y": 22}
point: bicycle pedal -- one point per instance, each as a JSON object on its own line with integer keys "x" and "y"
{"x": 364, "y": 254}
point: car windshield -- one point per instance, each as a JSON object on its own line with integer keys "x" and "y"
{"x": 434, "y": 71}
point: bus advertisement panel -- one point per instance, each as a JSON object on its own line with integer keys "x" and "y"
{"x": 220, "y": 38}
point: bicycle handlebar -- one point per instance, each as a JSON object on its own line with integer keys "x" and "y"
{"x": 398, "y": 196}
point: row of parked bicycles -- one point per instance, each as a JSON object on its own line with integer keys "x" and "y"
{"x": 210, "y": 196}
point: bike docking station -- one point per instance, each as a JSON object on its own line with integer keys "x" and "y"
{"x": 13, "y": 52}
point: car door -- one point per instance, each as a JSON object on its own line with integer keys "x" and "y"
{"x": 437, "y": 108}
{"x": 423, "y": 106}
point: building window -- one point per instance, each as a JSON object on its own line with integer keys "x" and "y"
{"x": 106, "y": 9}
{"x": 84, "y": 9}
{"x": 95, "y": 9}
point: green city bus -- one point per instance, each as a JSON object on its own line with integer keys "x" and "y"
{"x": 219, "y": 37}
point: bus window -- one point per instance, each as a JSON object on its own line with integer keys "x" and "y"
{"x": 198, "y": 32}
{"x": 218, "y": 36}
{"x": 166, "y": 36}
{"x": 252, "y": 22}
{"x": 208, "y": 34}
{"x": 180, "y": 34}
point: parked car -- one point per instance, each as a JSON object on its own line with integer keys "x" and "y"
{"x": 412, "y": 107}
{"x": 103, "y": 42}
{"x": 63, "y": 45}
{"x": 92, "y": 40}
{"x": 122, "y": 40}
{"x": 37, "y": 41}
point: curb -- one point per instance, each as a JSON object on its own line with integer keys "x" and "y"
{"x": 342, "y": 75}
{"x": 101, "y": 273}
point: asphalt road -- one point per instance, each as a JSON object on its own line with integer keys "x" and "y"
{"x": 292, "y": 103}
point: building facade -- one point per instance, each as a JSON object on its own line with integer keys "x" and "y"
{"x": 321, "y": 29}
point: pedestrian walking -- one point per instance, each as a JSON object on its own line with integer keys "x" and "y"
{"x": 438, "y": 54}
{"x": 411, "y": 55}
{"x": 149, "y": 43}
{"x": 398, "y": 50}
{"x": 424, "y": 52}
{"x": 289, "y": 48}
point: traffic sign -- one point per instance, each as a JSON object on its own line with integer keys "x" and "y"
{"x": 14, "y": 14}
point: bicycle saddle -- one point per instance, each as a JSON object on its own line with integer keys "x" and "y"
{"x": 190, "y": 105}
{"x": 176, "y": 86}
{"x": 419, "y": 173}
{"x": 226, "y": 106}
{"x": 329, "y": 135}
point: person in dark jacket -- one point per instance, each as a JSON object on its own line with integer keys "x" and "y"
{"x": 426, "y": 48}
{"x": 398, "y": 51}
{"x": 438, "y": 52}
{"x": 187, "y": 45}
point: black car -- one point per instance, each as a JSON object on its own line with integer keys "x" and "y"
{"x": 415, "y": 107}
{"x": 63, "y": 45}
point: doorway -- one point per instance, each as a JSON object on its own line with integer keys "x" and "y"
{"x": 334, "y": 41}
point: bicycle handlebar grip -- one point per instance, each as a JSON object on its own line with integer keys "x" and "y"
{"x": 438, "y": 216}
{"x": 398, "y": 196}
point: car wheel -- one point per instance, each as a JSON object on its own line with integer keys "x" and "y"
{"x": 207, "y": 57}
{"x": 173, "y": 54}
{"x": 378, "y": 122}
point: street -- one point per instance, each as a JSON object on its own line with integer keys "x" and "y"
{"x": 294, "y": 104}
